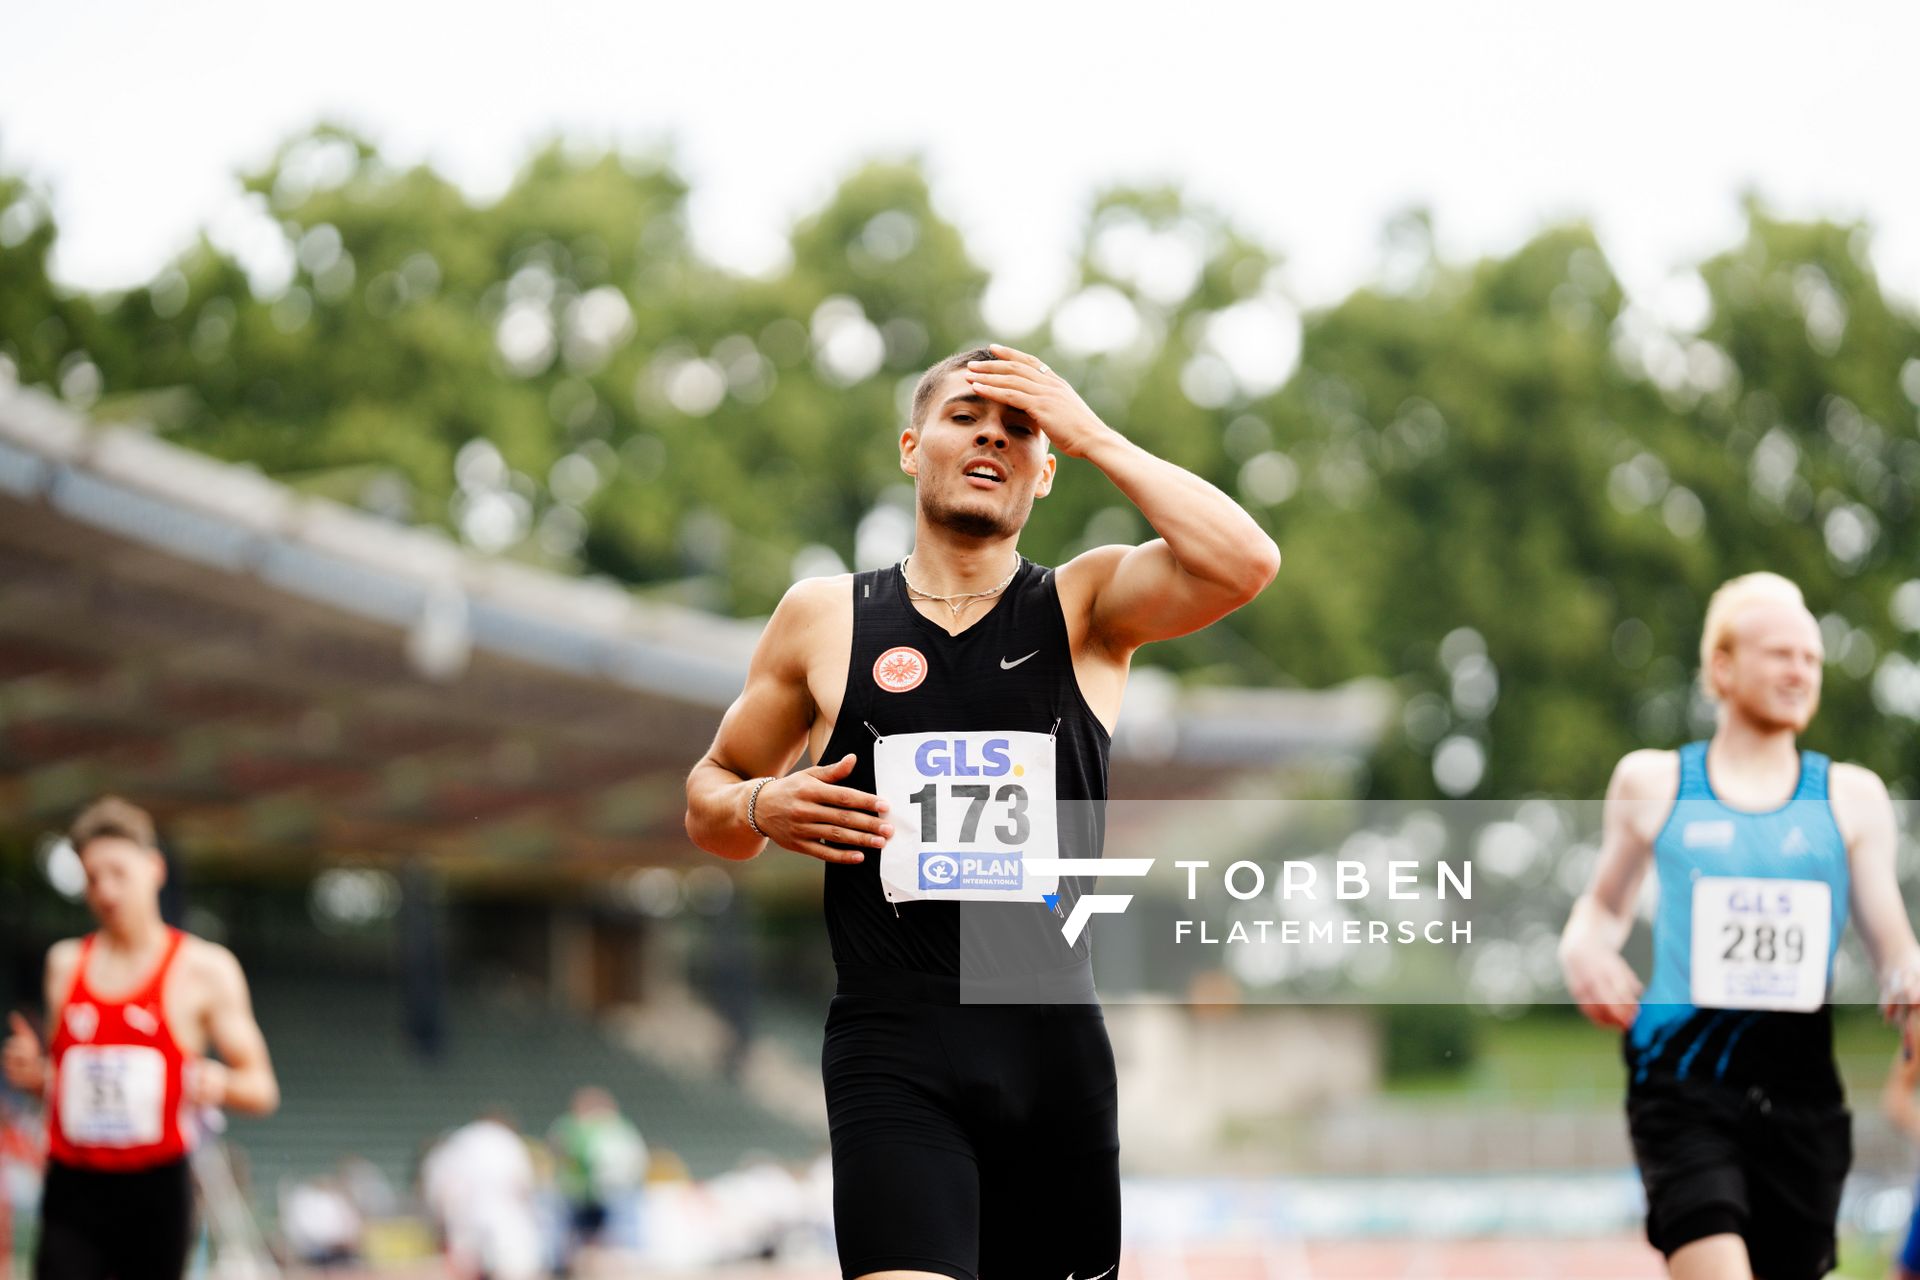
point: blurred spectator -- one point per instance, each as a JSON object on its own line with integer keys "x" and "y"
{"x": 22, "y": 1161}
{"x": 322, "y": 1227}
{"x": 599, "y": 1156}
{"x": 371, "y": 1195}
{"x": 761, "y": 1202}
{"x": 479, "y": 1185}
{"x": 759, "y": 1210}
{"x": 664, "y": 1164}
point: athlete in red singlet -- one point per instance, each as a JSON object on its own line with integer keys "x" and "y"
{"x": 134, "y": 1008}
{"x": 117, "y": 1096}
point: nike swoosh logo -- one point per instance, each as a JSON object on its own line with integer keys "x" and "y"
{"x": 1109, "y": 1270}
{"x": 1008, "y": 666}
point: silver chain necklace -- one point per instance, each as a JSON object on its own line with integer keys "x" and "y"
{"x": 963, "y": 597}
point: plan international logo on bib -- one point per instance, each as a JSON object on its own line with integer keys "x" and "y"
{"x": 971, "y": 871}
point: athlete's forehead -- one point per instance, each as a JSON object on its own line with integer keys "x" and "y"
{"x": 962, "y": 399}
{"x": 114, "y": 849}
{"x": 1776, "y": 623}
{"x": 952, "y": 395}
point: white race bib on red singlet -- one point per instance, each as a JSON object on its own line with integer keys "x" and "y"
{"x": 1761, "y": 943}
{"x": 968, "y": 810}
{"x": 112, "y": 1095}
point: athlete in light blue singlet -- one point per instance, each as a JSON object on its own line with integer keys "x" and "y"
{"x": 1762, "y": 853}
{"x": 1709, "y": 848}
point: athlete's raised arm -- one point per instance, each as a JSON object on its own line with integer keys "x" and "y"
{"x": 760, "y": 738}
{"x": 1599, "y": 980}
{"x": 243, "y": 1079}
{"x": 1211, "y": 556}
{"x": 1864, "y": 813}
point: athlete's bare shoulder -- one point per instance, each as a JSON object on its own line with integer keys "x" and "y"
{"x": 811, "y": 613}
{"x": 1649, "y": 766}
{"x": 63, "y": 962}
{"x": 1859, "y": 799}
{"x": 208, "y": 961}
{"x": 1644, "y": 786}
{"x": 1856, "y": 780}
{"x": 1646, "y": 775}
{"x": 824, "y": 591}
{"x": 797, "y": 677}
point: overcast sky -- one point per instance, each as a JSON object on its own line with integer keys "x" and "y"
{"x": 1309, "y": 124}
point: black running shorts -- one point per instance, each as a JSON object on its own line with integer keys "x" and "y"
{"x": 114, "y": 1226}
{"x": 1718, "y": 1160}
{"x": 979, "y": 1142}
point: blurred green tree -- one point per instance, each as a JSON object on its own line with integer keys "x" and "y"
{"x": 1504, "y": 485}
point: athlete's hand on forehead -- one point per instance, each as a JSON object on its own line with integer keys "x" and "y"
{"x": 804, "y": 810}
{"x": 1024, "y": 382}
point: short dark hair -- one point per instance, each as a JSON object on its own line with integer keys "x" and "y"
{"x": 930, "y": 380}
{"x": 112, "y": 816}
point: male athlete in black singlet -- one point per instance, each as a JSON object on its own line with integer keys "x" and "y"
{"x": 968, "y": 695}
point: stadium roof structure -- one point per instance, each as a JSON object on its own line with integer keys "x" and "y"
{"x": 287, "y": 680}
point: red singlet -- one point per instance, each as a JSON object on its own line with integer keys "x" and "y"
{"x": 116, "y": 1100}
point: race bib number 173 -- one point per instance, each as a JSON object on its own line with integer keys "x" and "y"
{"x": 968, "y": 811}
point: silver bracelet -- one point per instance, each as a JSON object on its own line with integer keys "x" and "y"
{"x": 753, "y": 800}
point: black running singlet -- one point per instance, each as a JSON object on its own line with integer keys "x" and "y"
{"x": 1010, "y": 671}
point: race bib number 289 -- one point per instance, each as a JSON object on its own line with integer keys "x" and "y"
{"x": 968, "y": 811}
{"x": 1760, "y": 943}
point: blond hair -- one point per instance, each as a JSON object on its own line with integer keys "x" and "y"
{"x": 1725, "y": 605}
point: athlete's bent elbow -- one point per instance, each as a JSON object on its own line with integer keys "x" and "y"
{"x": 697, "y": 832}
{"x": 708, "y": 841}
{"x": 1269, "y": 555}
{"x": 699, "y": 828}
{"x": 257, "y": 1096}
{"x": 1262, "y": 566}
